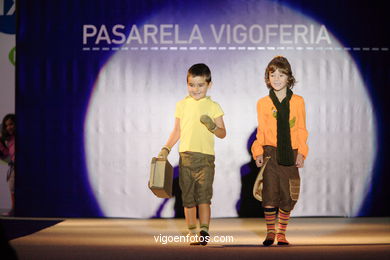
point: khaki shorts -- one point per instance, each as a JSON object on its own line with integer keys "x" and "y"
{"x": 281, "y": 184}
{"x": 196, "y": 178}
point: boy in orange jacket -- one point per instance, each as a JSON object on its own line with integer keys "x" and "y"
{"x": 281, "y": 135}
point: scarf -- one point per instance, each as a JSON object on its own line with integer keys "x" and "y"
{"x": 284, "y": 151}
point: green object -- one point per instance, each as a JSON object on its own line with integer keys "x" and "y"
{"x": 208, "y": 122}
{"x": 292, "y": 122}
{"x": 163, "y": 153}
{"x": 274, "y": 113}
{"x": 12, "y": 56}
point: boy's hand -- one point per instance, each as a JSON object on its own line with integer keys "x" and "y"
{"x": 259, "y": 161}
{"x": 164, "y": 153}
{"x": 300, "y": 161}
{"x": 208, "y": 122}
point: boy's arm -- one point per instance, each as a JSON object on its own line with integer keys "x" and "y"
{"x": 216, "y": 127}
{"x": 172, "y": 140}
{"x": 220, "y": 131}
{"x": 302, "y": 131}
{"x": 175, "y": 134}
{"x": 257, "y": 146}
{"x": 300, "y": 161}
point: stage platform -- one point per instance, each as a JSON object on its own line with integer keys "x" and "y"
{"x": 239, "y": 238}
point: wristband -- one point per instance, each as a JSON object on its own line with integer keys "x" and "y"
{"x": 167, "y": 148}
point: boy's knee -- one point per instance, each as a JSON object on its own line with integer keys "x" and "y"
{"x": 287, "y": 205}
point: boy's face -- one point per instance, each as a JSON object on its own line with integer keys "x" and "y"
{"x": 197, "y": 86}
{"x": 278, "y": 80}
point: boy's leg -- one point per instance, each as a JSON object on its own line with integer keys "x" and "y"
{"x": 204, "y": 216}
{"x": 284, "y": 217}
{"x": 204, "y": 219}
{"x": 186, "y": 183}
{"x": 270, "y": 194}
{"x": 289, "y": 192}
{"x": 190, "y": 215}
{"x": 270, "y": 218}
{"x": 204, "y": 193}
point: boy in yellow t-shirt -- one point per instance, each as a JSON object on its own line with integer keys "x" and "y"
{"x": 281, "y": 135}
{"x": 197, "y": 120}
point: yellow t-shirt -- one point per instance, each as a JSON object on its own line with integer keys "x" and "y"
{"x": 194, "y": 136}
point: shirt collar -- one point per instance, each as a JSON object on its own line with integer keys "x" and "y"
{"x": 191, "y": 98}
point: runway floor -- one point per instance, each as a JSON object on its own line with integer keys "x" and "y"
{"x": 310, "y": 238}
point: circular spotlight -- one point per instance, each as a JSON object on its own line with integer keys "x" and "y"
{"x": 131, "y": 111}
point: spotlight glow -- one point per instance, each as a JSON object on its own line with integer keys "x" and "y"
{"x": 131, "y": 111}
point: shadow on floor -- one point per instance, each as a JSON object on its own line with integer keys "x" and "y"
{"x": 17, "y": 227}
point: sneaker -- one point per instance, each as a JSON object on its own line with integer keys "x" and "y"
{"x": 282, "y": 241}
{"x": 194, "y": 239}
{"x": 269, "y": 239}
{"x": 204, "y": 237}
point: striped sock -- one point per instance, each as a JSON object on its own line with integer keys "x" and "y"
{"x": 270, "y": 217}
{"x": 192, "y": 229}
{"x": 284, "y": 217}
{"x": 204, "y": 227}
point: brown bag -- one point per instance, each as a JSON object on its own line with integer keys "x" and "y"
{"x": 161, "y": 177}
{"x": 258, "y": 186}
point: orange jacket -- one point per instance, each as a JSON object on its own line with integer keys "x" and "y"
{"x": 267, "y": 128}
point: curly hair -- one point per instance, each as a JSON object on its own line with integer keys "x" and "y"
{"x": 279, "y": 63}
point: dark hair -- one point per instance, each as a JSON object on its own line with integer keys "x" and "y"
{"x": 200, "y": 69}
{"x": 279, "y": 63}
{"x": 4, "y": 132}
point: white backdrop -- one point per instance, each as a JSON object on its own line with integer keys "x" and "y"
{"x": 131, "y": 111}
{"x": 7, "y": 104}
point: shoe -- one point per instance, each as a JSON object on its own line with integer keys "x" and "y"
{"x": 204, "y": 237}
{"x": 194, "y": 239}
{"x": 269, "y": 239}
{"x": 282, "y": 241}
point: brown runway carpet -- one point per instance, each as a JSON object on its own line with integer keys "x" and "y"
{"x": 234, "y": 238}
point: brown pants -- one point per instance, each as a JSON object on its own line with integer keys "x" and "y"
{"x": 196, "y": 178}
{"x": 281, "y": 184}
